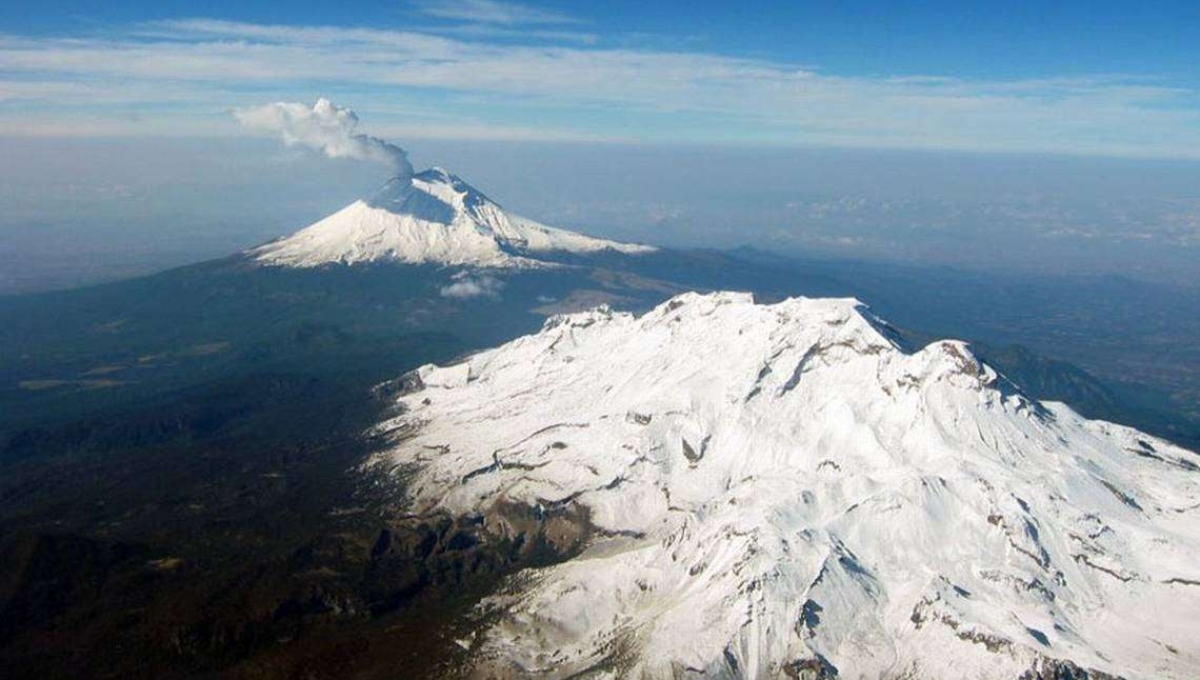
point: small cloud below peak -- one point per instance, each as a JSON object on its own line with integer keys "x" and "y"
{"x": 466, "y": 286}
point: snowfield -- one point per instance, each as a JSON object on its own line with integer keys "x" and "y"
{"x": 434, "y": 218}
{"x": 783, "y": 491}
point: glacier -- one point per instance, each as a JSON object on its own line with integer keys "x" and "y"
{"x": 786, "y": 490}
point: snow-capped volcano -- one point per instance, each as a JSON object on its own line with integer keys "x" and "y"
{"x": 783, "y": 491}
{"x": 434, "y": 217}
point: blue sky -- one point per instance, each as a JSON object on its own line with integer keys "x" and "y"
{"x": 1068, "y": 77}
{"x": 984, "y": 39}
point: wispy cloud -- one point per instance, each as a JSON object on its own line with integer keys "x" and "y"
{"x": 491, "y": 12}
{"x": 190, "y": 71}
{"x": 522, "y": 33}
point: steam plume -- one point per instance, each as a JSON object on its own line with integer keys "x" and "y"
{"x": 325, "y": 127}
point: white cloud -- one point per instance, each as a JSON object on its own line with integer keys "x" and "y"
{"x": 644, "y": 95}
{"x": 491, "y": 12}
{"x": 467, "y": 286}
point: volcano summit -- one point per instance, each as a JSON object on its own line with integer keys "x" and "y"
{"x": 432, "y": 218}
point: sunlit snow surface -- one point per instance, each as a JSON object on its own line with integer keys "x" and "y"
{"x": 434, "y": 218}
{"x": 778, "y": 487}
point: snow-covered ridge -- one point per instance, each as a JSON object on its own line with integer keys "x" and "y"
{"x": 434, "y": 217}
{"x": 782, "y": 491}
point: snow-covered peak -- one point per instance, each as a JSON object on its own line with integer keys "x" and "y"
{"x": 432, "y": 217}
{"x": 783, "y": 491}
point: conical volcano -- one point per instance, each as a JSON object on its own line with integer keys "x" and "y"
{"x": 433, "y": 218}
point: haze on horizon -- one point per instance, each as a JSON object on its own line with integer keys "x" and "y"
{"x": 976, "y": 136}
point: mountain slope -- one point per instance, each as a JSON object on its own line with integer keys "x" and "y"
{"x": 433, "y": 218}
{"x": 782, "y": 491}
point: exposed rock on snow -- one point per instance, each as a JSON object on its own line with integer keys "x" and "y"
{"x": 782, "y": 491}
{"x": 433, "y": 218}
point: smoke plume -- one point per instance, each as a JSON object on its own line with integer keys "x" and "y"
{"x": 325, "y": 127}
